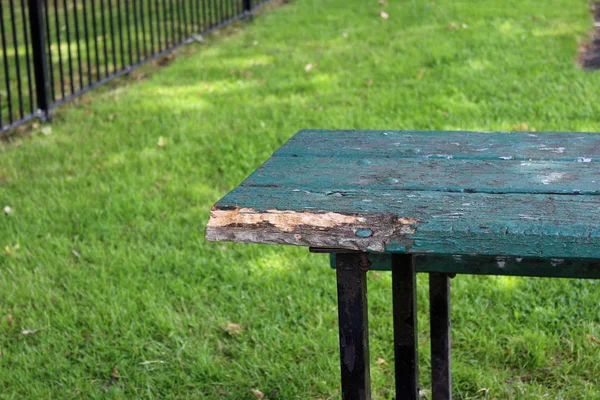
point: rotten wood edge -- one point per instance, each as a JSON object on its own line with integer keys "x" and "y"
{"x": 362, "y": 232}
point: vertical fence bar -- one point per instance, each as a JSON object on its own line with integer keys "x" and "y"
{"x": 182, "y": 11}
{"x": 171, "y": 13}
{"x": 6, "y": 70}
{"x": 95, "y": 30}
{"x": 221, "y": 4}
{"x": 27, "y": 56}
{"x": 104, "y": 37}
{"x": 87, "y": 43}
{"x": 143, "y": 24}
{"x": 113, "y": 44}
{"x": 120, "y": 23}
{"x": 247, "y": 4}
{"x": 129, "y": 45}
{"x": 158, "y": 27}
{"x": 136, "y": 29}
{"x": 76, "y": 18}
{"x": 179, "y": 21}
{"x": 191, "y": 22}
{"x": 17, "y": 60}
{"x": 69, "y": 57}
{"x": 60, "y": 61}
{"x": 199, "y": 17}
{"x": 215, "y": 14}
{"x": 40, "y": 63}
{"x": 50, "y": 65}
{"x": 151, "y": 28}
{"x": 165, "y": 23}
{"x": 202, "y": 5}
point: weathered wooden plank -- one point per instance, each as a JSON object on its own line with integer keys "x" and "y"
{"x": 494, "y": 265}
{"x": 521, "y": 225}
{"x": 407, "y": 192}
{"x": 580, "y": 146}
{"x": 472, "y": 176}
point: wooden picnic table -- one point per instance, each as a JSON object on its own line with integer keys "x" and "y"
{"x": 445, "y": 203}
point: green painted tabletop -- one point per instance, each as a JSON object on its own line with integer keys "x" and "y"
{"x": 523, "y": 194}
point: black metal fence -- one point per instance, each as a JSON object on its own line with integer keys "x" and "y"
{"x": 54, "y": 50}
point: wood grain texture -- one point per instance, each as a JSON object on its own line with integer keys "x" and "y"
{"x": 567, "y": 146}
{"x": 517, "y": 194}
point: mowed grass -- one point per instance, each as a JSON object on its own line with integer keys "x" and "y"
{"x": 103, "y": 253}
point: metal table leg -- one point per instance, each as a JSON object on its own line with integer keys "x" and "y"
{"x": 404, "y": 285}
{"x": 439, "y": 300}
{"x": 353, "y": 325}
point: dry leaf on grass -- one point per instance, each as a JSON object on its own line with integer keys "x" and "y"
{"x": 153, "y": 362}
{"x": 232, "y": 329}
{"x": 9, "y": 319}
{"x": 28, "y": 332}
{"x": 11, "y": 251}
{"x": 381, "y": 361}
{"x": 384, "y": 15}
{"x": 593, "y": 338}
{"x": 259, "y": 395}
{"x": 115, "y": 373}
{"x": 523, "y": 126}
{"x": 162, "y": 142}
{"x": 308, "y": 67}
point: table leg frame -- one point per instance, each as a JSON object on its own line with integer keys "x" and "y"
{"x": 353, "y": 327}
{"x": 439, "y": 312}
{"x": 354, "y": 333}
{"x": 404, "y": 287}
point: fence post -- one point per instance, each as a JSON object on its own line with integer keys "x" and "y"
{"x": 40, "y": 60}
{"x": 248, "y": 9}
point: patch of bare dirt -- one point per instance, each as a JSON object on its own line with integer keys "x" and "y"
{"x": 589, "y": 56}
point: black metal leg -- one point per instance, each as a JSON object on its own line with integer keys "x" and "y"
{"x": 404, "y": 286}
{"x": 353, "y": 324}
{"x": 439, "y": 300}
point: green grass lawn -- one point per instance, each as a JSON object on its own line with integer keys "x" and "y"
{"x": 103, "y": 253}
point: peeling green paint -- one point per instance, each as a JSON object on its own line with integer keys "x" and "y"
{"x": 490, "y": 194}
